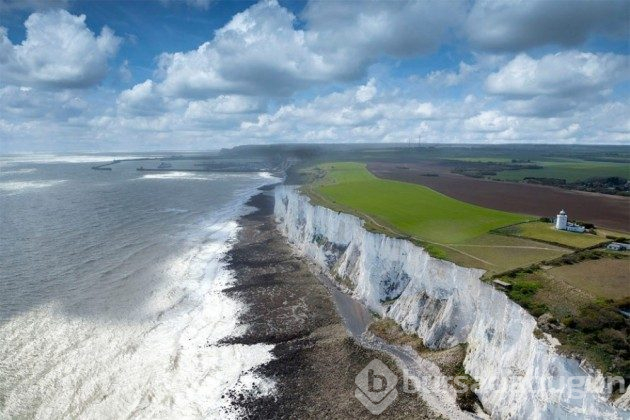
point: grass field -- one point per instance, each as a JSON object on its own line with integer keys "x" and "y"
{"x": 413, "y": 209}
{"x": 604, "y": 278}
{"x": 448, "y": 228}
{"x": 546, "y": 232}
{"x": 570, "y": 170}
{"x": 582, "y": 300}
{"x": 570, "y": 288}
{"x": 505, "y": 252}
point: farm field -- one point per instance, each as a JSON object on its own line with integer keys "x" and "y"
{"x": 602, "y": 210}
{"x": 448, "y": 228}
{"x": 546, "y": 232}
{"x": 571, "y": 171}
{"x": 576, "y": 296}
{"x": 604, "y": 278}
{"x": 413, "y": 209}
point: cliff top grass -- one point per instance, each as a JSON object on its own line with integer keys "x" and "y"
{"x": 546, "y": 232}
{"x": 408, "y": 208}
{"x": 581, "y": 313}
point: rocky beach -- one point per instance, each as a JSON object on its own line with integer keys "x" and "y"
{"x": 315, "y": 358}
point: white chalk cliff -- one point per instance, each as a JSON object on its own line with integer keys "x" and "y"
{"x": 519, "y": 375}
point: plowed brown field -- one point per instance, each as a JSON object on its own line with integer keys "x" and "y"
{"x": 611, "y": 212}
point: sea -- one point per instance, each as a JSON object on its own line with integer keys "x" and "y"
{"x": 111, "y": 301}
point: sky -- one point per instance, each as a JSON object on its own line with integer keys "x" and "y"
{"x": 205, "y": 74}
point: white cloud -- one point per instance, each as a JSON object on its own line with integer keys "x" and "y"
{"x": 450, "y": 78}
{"x": 260, "y": 51}
{"x": 557, "y": 83}
{"x": 563, "y": 74}
{"x": 24, "y": 103}
{"x": 240, "y": 86}
{"x": 59, "y": 52}
{"x": 366, "y": 92}
{"x": 224, "y": 106}
{"x": 257, "y": 52}
{"x": 142, "y": 99}
{"x": 489, "y": 121}
{"x": 513, "y": 25}
{"x": 355, "y": 33}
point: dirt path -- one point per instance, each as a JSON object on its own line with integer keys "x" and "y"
{"x": 356, "y": 317}
{"x": 394, "y": 233}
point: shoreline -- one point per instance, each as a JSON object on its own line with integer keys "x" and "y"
{"x": 315, "y": 360}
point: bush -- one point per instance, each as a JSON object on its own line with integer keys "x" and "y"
{"x": 615, "y": 338}
{"x": 594, "y": 318}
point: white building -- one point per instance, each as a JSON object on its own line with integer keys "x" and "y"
{"x": 618, "y": 246}
{"x": 562, "y": 223}
{"x": 561, "y": 220}
{"x": 575, "y": 228}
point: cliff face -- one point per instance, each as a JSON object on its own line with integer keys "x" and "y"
{"x": 519, "y": 374}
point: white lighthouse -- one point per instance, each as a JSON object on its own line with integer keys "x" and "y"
{"x": 561, "y": 220}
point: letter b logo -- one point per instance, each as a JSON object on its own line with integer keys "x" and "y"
{"x": 376, "y": 387}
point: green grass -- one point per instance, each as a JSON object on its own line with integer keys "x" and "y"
{"x": 584, "y": 324}
{"x": 408, "y": 208}
{"x": 506, "y": 252}
{"x": 605, "y": 278}
{"x": 546, "y": 232}
{"x": 570, "y": 170}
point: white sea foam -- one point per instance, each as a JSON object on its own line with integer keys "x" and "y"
{"x": 182, "y": 175}
{"x": 265, "y": 175}
{"x": 166, "y": 361}
{"x": 173, "y": 210}
{"x": 4, "y": 172}
{"x": 19, "y": 186}
{"x": 204, "y": 176}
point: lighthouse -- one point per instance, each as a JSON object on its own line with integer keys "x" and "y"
{"x": 561, "y": 220}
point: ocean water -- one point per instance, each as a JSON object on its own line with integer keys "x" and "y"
{"x": 110, "y": 291}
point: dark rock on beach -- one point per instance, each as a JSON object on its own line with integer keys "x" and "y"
{"x": 315, "y": 360}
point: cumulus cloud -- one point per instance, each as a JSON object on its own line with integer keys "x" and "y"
{"x": 142, "y": 99}
{"x": 261, "y": 51}
{"x": 355, "y": 33}
{"x": 59, "y": 52}
{"x": 257, "y": 52}
{"x": 269, "y": 76}
{"x": 223, "y": 107}
{"x": 556, "y": 82}
{"x": 489, "y": 121}
{"x": 563, "y": 74}
{"x": 451, "y": 78}
{"x": 24, "y": 103}
{"x": 360, "y": 113}
{"x": 515, "y": 25}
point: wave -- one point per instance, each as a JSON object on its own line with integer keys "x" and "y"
{"x": 204, "y": 176}
{"x": 19, "y": 186}
{"x": 182, "y": 175}
{"x": 167, "y": 360}
{"x": 17, "y": 171}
